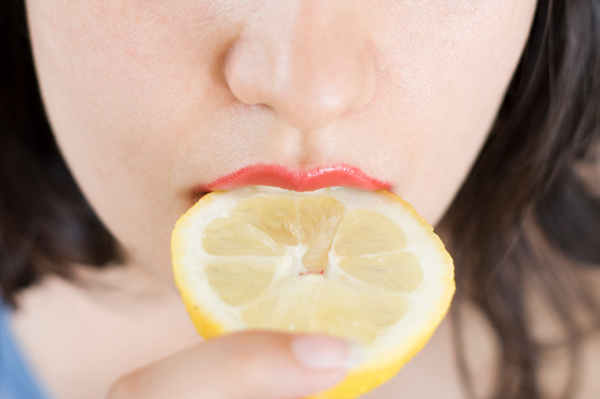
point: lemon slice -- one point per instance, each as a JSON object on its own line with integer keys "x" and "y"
{"x": 361, "y": 265}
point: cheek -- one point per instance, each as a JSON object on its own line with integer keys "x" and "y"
{"x": 120, "y": 102}
{"x": 111, "y": 68}
{"x": 443, "y": 76}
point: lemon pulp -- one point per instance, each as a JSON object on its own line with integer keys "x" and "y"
{"x": 357, "y": 265}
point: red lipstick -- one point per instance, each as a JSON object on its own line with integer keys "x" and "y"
{"x": 297, "y": 180}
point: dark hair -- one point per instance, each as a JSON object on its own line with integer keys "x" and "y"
{"x": 524, "y": 221}
{"x": 46, "y": 225}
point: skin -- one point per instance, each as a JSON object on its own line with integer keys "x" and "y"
{"x": 150, "y": 99}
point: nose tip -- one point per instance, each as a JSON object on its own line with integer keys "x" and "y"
{"x": 310, "y": 64}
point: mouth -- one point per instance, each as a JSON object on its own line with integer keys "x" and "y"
{"x": 297, "y": 180}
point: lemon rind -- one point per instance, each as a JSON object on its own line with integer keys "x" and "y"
{"x": 367, "y": 375}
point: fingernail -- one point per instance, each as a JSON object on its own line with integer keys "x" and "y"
{"x": 323, "y": 352}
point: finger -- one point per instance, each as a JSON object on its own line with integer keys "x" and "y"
{"x": 245, "y": 365}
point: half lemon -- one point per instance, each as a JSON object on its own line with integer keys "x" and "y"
{"x": 360, "y": 265}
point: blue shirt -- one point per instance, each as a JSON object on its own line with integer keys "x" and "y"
{"x": 17, "y": 380}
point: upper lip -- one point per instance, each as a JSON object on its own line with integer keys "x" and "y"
{"x": 297, "y": 180}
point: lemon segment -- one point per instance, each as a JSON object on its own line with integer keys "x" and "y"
{"x": 276, "y": 216}
{"x": 359, "y": 265}
{"x": 366, "y": 232}
{"x": 238, "y": 282}
{"x": 288, "y": 306}
{"x": 224, "y": 236}
{"x": 397, "y": 271}
{"x": 354, "y": 313}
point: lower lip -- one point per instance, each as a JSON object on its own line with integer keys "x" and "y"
{"x": 310, "y": 180}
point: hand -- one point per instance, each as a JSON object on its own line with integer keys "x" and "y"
{"x": 245, "y": 365}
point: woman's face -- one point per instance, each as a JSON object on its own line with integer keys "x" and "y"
{"x": 154, "y": 101}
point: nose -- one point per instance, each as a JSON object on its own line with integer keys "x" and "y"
{"x": 310, "y": 61}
